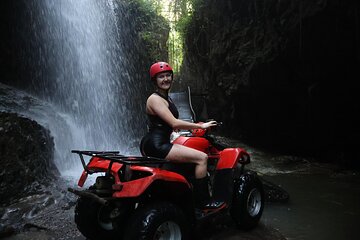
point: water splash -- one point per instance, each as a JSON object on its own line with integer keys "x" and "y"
{"x": 88, "y": 69}
{"x": 59, "y": 124}
{"x": 77, "y": 49}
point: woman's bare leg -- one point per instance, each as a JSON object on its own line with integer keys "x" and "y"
{"x": 180, "y": 153}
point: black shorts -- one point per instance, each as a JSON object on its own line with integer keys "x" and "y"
{"x": 156, "y": 144}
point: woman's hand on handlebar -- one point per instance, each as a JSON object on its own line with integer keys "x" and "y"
{"x": 208, "y": 124}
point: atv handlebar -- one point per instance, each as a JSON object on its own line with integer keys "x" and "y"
{"x": 195, "y": 132}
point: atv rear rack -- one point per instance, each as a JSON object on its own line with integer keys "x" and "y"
{"x": 114, "y": 156}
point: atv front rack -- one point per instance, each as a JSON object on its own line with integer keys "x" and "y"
{"x": 114, "y": 156}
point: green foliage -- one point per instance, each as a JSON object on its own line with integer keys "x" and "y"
{"x": 179, "y": 14}
{"x": 149, "y": 8}
{"x": 163, "y": 25}
{"x": 186, "y": 16}
{"x": 152, "y": 29}
{"x": 183, "y": 24}
{"x": 151, "y": 41}
{"x": 183, "y": 12}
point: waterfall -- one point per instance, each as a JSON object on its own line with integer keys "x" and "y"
{"x": 76, "y": 47}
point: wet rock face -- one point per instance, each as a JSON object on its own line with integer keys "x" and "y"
{"x": 280, "y": 73}
{"x": 26, "y": 156}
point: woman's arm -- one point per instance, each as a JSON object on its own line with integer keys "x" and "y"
{"x": 157, "y": 106}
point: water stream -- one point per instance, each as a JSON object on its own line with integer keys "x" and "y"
{"x": 324, "y": 198}
{"x": 321, "y": 206}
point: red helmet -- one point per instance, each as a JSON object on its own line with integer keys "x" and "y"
{"x": 159, "y": 67}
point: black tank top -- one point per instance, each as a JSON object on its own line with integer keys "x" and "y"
{"x": 156, "y": 122}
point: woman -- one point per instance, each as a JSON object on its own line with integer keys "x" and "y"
{"x": 163, "y": 118}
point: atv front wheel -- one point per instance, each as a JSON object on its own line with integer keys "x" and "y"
{"x": 93, "y": 220}
{"x": 158, "y": 221}
{"x": 248, "y": 201}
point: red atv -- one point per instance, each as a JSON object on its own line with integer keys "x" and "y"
{"x": 150, "y": 198}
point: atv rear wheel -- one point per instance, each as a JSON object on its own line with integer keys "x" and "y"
{"x": 158, "y": 221}
{"x": 93, "y": 220}
{"x": 248, "y": 201}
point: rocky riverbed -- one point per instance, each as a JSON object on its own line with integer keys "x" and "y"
{"x": 50, "y": 216}
{"x": 314, "y": 205}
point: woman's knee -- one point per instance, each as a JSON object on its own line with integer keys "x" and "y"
{"x": 203, "y": 158}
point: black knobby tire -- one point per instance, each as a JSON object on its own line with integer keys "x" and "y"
{"x": 248, "y": 201}
{"x": 161, "y": 220}
{"x": 92, "y": 220}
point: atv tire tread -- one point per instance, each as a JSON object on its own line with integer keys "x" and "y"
{"x": 146, "y": 219}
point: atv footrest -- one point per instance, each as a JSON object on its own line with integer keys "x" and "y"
{"x": 91, "y": 195}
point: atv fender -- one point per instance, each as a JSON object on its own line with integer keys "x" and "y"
{"x": 97, "y": 164}
{"x": 229, "y": 158}
{"x": 135, "y": 188}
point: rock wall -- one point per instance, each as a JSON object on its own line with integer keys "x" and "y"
{"x": 26, "y": 151}
{"x": 281, "y": 74}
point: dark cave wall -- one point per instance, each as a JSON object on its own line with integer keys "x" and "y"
{"x": 281, "y": 74}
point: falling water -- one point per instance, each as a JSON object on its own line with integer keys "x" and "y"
{"x": 77, "y": 49}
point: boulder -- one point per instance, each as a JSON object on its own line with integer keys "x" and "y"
{"x": 27, "y": 151}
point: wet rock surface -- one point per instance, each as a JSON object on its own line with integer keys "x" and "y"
{"x": 26, "y": 157}
{"x": 47, "y": 215}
